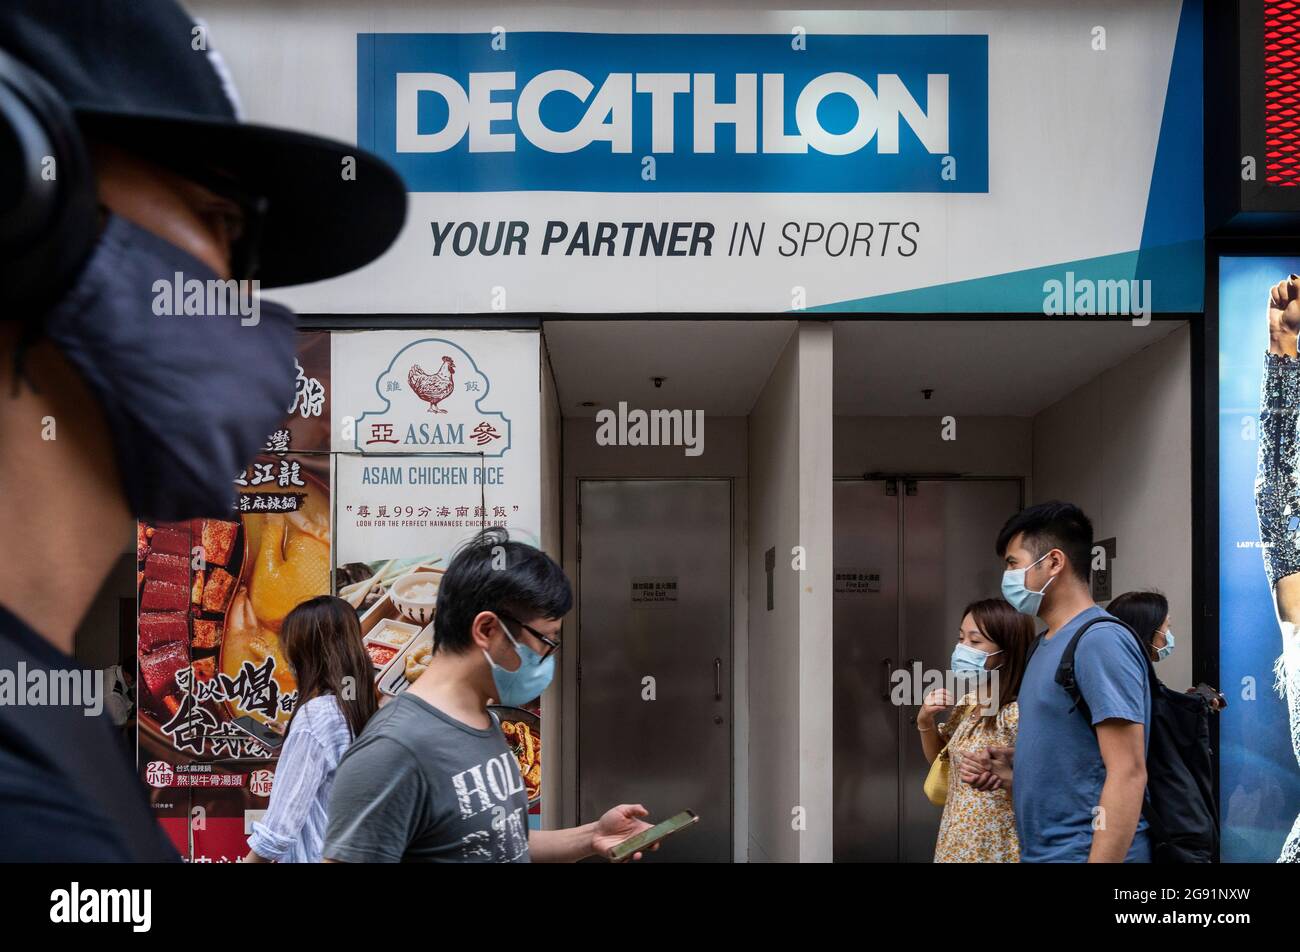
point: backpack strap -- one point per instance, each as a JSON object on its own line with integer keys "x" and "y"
{"x": 1065, "y": 675}
{"x": 1066, "y": 679}
{"x": 1065, "y": 671}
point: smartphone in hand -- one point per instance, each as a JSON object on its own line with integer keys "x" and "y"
{"x": 656, "y": 834}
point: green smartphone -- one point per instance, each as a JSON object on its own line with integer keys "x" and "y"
{"x": 657, "y": 833}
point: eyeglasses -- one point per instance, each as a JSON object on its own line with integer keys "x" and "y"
{"x": 552, "y": 645}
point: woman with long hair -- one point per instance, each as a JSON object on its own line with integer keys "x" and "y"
{"x": 978, "y": 825}
{"x": 336, "y": 697}
{"x": 1147, "y": 613}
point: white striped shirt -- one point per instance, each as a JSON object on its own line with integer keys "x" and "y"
{"x": 293, "y": 829}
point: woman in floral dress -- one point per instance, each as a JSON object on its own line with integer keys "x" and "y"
{"x": 978, "y": 826}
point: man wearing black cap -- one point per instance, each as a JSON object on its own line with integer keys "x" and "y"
{"x": 127, "y": 176}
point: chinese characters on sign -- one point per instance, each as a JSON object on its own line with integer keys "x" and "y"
{"x": 197, "y": 729}
{"x": 648, "y": 591}
{"x": 212, "y": 594}
{"x": 856, "y": 582}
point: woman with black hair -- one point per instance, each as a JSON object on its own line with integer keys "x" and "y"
{"x": 1147, "y": 613}
{"x": 978, "y": 824}
{"x": 336, "y": 698}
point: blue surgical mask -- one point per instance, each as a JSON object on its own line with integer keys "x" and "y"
{"x": 188, "y": 399}
{"x": 1168, "y": 649}
{"x": 526, "y": 682}
{"x": 1022, "y": 599}
{"x": 966, "y": 658}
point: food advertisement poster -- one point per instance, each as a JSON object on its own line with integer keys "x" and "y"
{"x": 1259, "y": 564}
{"x": 212, "y": 594}
{"x": 436, "y": 436}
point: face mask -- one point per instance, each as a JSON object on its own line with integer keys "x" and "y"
{"x": 1168, "y": 649}
{"x": 966, "y": 658}
{"x": 189, "y": 399}
{"x": 1022, "y": 599}
{"x": 527, "y": 681}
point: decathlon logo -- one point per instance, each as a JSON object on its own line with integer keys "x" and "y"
{"x": 698, "y": 112}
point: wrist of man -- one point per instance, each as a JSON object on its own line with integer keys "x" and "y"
{"x": 1283, "y": 343}
{"x": 588, "y": 840}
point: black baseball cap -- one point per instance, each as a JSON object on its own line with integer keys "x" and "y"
{"x": 145, "y": 76}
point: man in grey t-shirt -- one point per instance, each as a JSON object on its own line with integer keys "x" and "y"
{"x": 431, "y": 779}
{"x": 419, "y": 785}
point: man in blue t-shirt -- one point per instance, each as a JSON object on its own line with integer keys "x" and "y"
{"x": 1079, "y": 780}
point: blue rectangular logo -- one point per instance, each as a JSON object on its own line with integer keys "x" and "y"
{"x": 623, "y": 112}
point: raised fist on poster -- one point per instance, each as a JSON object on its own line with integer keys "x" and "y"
{"x": 1284, "y": 316}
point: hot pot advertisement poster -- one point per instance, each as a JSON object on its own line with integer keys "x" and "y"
{"x": 1259, "y": 559}
{"x": 211, "y": 596}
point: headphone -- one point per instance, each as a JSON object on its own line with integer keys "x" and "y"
{"x": 49, "y": 210}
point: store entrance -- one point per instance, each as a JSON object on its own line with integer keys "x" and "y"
{"x": 654, "y": 653}
{"x": 943, "y": 429}
{"x": 910, "y": 553}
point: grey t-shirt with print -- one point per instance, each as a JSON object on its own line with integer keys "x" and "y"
{"x": 419, "y": 786}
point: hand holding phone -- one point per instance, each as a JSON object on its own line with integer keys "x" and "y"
{"x": 268, "y": 734}
{"x": 651, "y": 837}
{"x": 1216, "y": 700}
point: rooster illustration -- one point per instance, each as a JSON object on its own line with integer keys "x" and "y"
{"x": 433, "y": 388}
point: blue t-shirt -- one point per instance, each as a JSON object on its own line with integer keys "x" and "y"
{"x": 1058, "y": 768}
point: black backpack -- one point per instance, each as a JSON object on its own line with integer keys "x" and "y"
{"x": 1179, "y": 805}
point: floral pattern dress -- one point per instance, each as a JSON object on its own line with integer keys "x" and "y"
{"x": 978, "y": 826}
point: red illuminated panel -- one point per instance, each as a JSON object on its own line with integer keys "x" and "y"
{"x": 1282, "y": 92}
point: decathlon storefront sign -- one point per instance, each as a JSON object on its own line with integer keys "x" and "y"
{"x": 586, "y": 159}
{"x": 677, "y": 113}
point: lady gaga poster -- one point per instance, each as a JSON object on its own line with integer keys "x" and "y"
{"x": 1259, "y": 557}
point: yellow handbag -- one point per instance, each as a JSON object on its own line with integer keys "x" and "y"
{"x": 936, "y": 781}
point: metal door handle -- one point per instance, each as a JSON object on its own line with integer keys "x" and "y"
{"x": 717, "y": 679}
{"x": 911, "y": 673}
{"x": 888, "y": 664}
